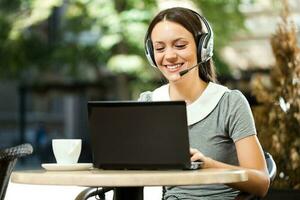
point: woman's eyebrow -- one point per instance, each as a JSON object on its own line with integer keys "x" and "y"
{"x": 158, "y": 42}
{"x": 175, "y": 40}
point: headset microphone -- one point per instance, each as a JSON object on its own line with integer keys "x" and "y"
{"x": 183, "y": 72}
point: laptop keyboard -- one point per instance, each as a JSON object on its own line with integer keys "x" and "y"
{"x": 196, "y": 165}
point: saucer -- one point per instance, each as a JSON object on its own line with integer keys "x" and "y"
{"x": 64, "y": 167}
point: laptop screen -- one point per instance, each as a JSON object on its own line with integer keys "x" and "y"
{"x": 139, "y": 135}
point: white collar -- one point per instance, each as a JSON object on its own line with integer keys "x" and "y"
{"x": 200, "y": 108}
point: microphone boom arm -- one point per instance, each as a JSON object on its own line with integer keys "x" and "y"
{"x": 183, "y": 72}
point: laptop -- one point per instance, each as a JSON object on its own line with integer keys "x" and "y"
{"x": 139, "y": 135}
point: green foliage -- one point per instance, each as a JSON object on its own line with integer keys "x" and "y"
{"x": 76, "y": 39}
{"x": 60, "y": 38}
{"x": 226, "y": 21}
{"x": 225, "y": 18}
{"x": 21, "y": 42}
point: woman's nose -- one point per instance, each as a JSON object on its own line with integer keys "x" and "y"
{"x": 170, "y": 54}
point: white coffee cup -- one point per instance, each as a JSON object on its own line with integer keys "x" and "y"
{"x": 66, "y": 151}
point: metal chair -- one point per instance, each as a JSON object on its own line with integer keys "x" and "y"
{"x": 272, "y": 169}
{"x": 8, "y": 160}
{"x": 93, "y": 192}
{"x": 100, "y": 193}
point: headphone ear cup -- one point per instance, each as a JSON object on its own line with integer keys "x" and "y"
{"x": 201, "y": 50}
{"x": 149, "y": 52}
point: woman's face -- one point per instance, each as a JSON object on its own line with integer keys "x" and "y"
{"x": 174, "y": 49}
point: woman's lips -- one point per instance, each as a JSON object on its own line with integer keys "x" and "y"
{"x": 174, "y": 67}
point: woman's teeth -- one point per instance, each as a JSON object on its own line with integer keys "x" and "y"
{"x": 172, "y": 67}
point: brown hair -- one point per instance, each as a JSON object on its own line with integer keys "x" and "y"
{"x": 191, "y": 22}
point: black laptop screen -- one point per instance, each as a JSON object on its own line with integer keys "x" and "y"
{"x": 139, "y": 135}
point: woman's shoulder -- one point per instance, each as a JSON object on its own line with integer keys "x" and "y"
{"x": 145, "y": 96}
{"x": 234, "y": 101}
{"x": 222, "y": 94}
{"x": 160, "y": 93}
{"x": 234, "y": 96}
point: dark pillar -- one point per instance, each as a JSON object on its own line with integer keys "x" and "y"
{"x": 22, "y": 114}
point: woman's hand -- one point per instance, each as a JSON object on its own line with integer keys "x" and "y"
{"x": 196, "y": 155}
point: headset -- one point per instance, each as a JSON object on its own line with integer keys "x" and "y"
{"x": 204, "y": 47}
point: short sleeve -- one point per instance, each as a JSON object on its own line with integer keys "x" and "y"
{"x": 240, "y": 121}
{"x": 145, "y": 96}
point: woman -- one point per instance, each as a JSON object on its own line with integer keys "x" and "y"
{"x": 222, "y": 132}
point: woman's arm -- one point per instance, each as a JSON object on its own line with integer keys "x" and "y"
{"x": 251, "y": 159}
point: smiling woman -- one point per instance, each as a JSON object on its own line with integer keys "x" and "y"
{"x": 179, "y": 42}
{"x": 174, "y": 50}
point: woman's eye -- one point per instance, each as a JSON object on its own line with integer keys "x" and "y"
{"x": 180, "y": 46}
{"x": 159, "y": 49}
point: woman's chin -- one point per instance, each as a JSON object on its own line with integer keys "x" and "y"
{"x": 174, "y": 77}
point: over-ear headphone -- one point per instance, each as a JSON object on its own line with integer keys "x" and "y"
{"x": 204, "y": 48}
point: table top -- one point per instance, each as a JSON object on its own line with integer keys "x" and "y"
{"x": 121, "y": 178}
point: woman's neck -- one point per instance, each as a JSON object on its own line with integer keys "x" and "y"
{"x": 188, "y": 91}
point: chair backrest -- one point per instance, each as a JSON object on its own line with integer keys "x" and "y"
{"x": 8, "y": 159}
{"x": 271, "y": 165}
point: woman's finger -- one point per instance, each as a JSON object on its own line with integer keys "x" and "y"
{"x": 193, "y": 151}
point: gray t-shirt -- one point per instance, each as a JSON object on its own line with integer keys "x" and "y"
{"x": 214, "y": 136}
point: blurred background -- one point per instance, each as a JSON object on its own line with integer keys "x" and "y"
{"x": 55, "y": 55}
